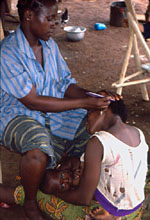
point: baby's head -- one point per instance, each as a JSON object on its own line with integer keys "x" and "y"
{"x": 56, "y": 181}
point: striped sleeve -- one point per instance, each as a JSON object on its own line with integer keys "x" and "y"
{"x": 15, "y": 80}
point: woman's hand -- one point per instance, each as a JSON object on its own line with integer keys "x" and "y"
{"x": 115, "y": 97}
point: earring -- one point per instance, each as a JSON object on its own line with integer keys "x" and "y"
{"x": 101, "y": 112}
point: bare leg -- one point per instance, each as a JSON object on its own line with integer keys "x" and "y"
{"x": 33, "y": 167}
{"x": 147, "y": 13}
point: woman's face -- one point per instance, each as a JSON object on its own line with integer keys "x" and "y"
{"x": 58, "y": 181}
{"x": 42, "y": 24}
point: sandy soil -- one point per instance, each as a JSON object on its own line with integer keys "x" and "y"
{"x": 95, "y": 62}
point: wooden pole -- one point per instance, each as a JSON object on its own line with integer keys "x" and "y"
{"x": 133, "y": 83}
{"x": 128, "y": 77}
{"x": 125, "y": 63}
{"x": 1, "y": 31}
{"x": 138, "y": 65}
{"x": 131, "y": 9}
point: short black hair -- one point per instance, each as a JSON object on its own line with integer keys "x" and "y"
{"x": 34, "y": 5}
{"x": 119, "y": 108}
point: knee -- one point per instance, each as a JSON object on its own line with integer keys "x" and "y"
{"x": 36, "y": 155}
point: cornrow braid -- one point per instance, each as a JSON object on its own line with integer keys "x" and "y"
{"x": 119, "y": 108}
{"x": 34, "y": 5}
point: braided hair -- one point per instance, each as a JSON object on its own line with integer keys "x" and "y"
{"x": 34, "y": 5}
{"x": 119, "y": 108}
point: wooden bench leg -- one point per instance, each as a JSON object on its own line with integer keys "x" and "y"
{"x": 1, "y": 172}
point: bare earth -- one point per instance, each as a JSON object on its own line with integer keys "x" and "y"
{"x": 96, "y": 63}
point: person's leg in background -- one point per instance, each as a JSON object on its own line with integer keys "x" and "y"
{"x": 147, "y": 13}
{"x": 4, "y": 8}
{"x": 146, "y": 25}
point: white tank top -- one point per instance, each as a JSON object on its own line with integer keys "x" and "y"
{"x": 123, "y": 171}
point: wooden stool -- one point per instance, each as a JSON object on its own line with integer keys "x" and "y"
{"x": 1, "y": 172}
{"x": 9, "y": 166}
{"x": 1, "y": 165}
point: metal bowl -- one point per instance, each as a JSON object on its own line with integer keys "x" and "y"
{"x": 75, "y": 33}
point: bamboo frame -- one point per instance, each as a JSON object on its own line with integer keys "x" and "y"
{"x": 129, "y": 77}
{"x": 135, "y": 34}
{"x": 1, "y": 31}
{"x": 132, "y": 83}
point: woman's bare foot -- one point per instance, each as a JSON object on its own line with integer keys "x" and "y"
{"x": 32, "y": 211}
{"x": 101, "y": 214}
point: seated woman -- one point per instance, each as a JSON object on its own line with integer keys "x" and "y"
{"x": 115, "y": 167}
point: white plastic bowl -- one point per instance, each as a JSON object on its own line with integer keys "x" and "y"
{"x": 75, "y": 33}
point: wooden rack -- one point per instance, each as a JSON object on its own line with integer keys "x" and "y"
{"x": 134, "y": 35}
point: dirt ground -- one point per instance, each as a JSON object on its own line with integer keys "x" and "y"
{"x": 96, "y": 63}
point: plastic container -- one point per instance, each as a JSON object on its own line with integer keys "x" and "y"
{"x": 118, "y": 13}
{"x": 99, "y": 26}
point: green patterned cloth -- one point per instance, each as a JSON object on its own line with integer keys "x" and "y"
{"x": 60, "y": 210}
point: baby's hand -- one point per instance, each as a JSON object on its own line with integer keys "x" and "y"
{"x": 69, "y": 163}
{"x": 76, "y": 176}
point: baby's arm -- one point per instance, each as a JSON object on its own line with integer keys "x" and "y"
{"x": 69, "y": 163}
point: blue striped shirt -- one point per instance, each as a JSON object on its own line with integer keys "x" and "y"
{"x": 20, "y": 70}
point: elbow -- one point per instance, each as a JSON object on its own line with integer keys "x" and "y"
{"x": 31, "y": 107}
{"x": 85, "y": 201}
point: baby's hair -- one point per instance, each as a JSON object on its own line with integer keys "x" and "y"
{"x": 119, "y": 108}
{"x": 34, "y": 5}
